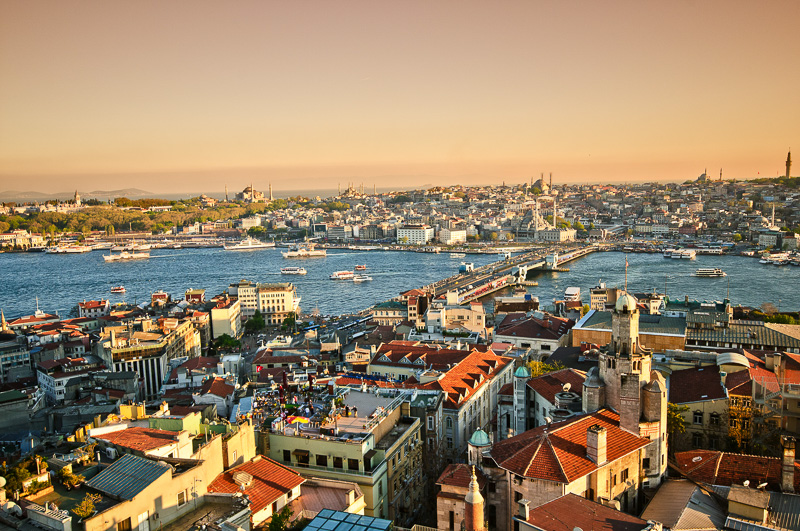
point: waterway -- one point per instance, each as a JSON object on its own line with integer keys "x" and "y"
{"x": 61, "y": 281}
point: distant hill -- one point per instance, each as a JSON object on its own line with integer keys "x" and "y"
{"x": 30, "y": 197}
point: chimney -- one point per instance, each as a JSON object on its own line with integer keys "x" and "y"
{"x": 351, "y": 497}
{"x": 787, "y": 473}
{"x": 596, "y": 444}
{"x": 524, "y": 509}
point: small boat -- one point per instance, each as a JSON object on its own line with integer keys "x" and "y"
{"x": 361, "y": 278}
{"x": 304, "y": 251}
{"x": 710, "y": 272}
{"x": 572, "y": 294}
{"x": 342, "y": 275}
{"x": 293, "y": 271}
{"x": 361, "y": 267}
{"x": 668, "y": 253}
{"x": 249, "y": 244}
{"x": 118, "y": 289}
{"x": 458, "y": 255}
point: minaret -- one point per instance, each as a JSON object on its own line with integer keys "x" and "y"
{"x": 270, "y": 192}
{"x": 3, "y": 323}
{"x": 340, "y": 189}
{"x": 551, "y": 181}
{"x": 78, "y": 198}
{"x": 473, "y": 506}
{"x": 720, "y": 174}
{"x": 226, "y": 193}
{"x": 374, "y": 189}
{"x": 789, "y": 165}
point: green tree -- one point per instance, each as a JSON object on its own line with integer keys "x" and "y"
{"x": 85, "y": 508}
{"x": 539, "y": 368}
{"x": 226, "y": 342}
{"x": 255, "y": 323}
{"x": 737, "y": 237}
{"x": 290, "y": 322}
{"x": 280, "y": 520}
{"x": 676, "y": 423}
{"x": 579, "y": 226}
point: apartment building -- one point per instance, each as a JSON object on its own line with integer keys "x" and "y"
{"x": 415, "y": 234}
{"x": 226, "y": 318}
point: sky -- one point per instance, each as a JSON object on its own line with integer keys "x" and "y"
{"x": 193, "y": 95}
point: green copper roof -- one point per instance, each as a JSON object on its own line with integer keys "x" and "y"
{"x": 479, "y": 438}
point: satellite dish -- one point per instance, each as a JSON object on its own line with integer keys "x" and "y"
{"x": 567, "y": 387}
{"x": 762, "y": 485}
{"x": 548, "y": 420}
{"x": 746, "y": 483}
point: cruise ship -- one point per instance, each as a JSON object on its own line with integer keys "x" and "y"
{"x": 293, "y": 271}
{"x": 710, "y": 272}
{"x": 304, "y": 251}
{"x": 249, "y": 244}
{"x": 125, "y": 256}
{"x": 342, "y": 275}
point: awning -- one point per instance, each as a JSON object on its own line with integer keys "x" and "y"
{"x": 369, "y": 455}
{"x": 301, "y": 453}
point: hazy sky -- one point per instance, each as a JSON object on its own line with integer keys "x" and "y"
{"x": 192, "y": 95}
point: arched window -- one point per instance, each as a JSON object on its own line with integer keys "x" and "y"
{"x": 449, "y": 423}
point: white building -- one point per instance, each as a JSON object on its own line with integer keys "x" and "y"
{"x": 226, "y": 318}
{"x": 93, "y": 309}
{"x": 415, "y": 234}
{"x": 452, "y": 236}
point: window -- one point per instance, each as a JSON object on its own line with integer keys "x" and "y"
{"x": 234, "y": 455}
{"x": 352, "y": 464}
{"x": 322, "y": 460}
{"x": 713, "y": 419}
{"x": 646, "y": 463}
{"x": 449, "y": 423}
{"x": 697, "y": 440}
{"x": 181, "y": 499}
{"x": 698, "y": 417}
{"x": 124, "y": 525}
{"x": 449, "y": 442}
{"x": 337, "y": 462}
{"x": 287, "y": 455}
{"x": 624, "y": 475}
{"x": 614, "y": 480}
{"x": 517, "y": 495}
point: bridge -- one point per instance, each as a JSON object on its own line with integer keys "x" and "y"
{"x": 511, "y": 271}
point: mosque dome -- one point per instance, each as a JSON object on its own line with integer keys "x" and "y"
{"x": 522, "y": 372}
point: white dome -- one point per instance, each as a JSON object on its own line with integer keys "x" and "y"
{"x": 626, "y": 302}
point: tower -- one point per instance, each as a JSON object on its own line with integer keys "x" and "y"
{"x": 3, "y": 323}
{"x": 517, "y": 424}
{"x": 473, "y": 506}
{"x": 551, "y": 180}
{"x": 226, "y": 193}
{"x": 270, "y": 192}
{"x": 77, "y": 198}
{"x": 789, "y": 165}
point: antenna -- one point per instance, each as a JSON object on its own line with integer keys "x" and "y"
{"x": 762, "y": 485}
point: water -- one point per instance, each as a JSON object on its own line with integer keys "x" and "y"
{"x": 61, "y": 281}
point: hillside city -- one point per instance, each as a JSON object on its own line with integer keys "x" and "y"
{"x": 460, "y": 404}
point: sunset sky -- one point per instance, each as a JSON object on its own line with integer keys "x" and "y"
{"x": 183, "y": 96}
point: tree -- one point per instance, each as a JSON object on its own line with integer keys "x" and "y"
{"x": 290, "y": 322}
{"x": 769, "y": 308}
{"x": 737, "y": 237}
{"x": 226, "y": 342}
{"x": 280, "y": 520}
{"x": 579, "y": 226}
{"x": 539, "y": 368}
{"x": 85, "y": 508}
{"x": 255, "y": 323}
{"x": 676, "y": 423}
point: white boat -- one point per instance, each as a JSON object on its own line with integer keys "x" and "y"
{"x": 686, "y": 254}
{"x": 342, "y": 275}
{"x": 572, "y": 294}
{"x": 361, "y": 267}
{"x": 125, "y": 255}
{"x": 668, "y": 253}
{"x": 710, "y": 272}
{"x": 69, "y": 249}
{"x": 361, "y": 278}
{"x": 458, "y": 255}
{"x": 248, "y": 244}
{"x": 304, "y": 251}
{"x": 118, "y": 289}
{"x": 293, "y": 271}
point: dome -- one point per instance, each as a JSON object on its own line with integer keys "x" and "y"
{"x": 626, "y": 302}
{"x": 522, "y": 372}
{"x": 479, "y": 438}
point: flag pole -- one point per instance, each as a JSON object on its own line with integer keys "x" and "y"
{"x": 626, "y": 273}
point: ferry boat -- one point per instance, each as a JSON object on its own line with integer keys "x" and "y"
{"x": 668, "y": 253}
{"x": 710, "y": 272}
{"x": 69, "y": 249}
{"x": 132, "y": 246}
{"x": 248, "y": 244}
{"x": 293, "y": 271}
{"x": 361, "y": 278}
{"x": 458, "y": 255}
{"x": 342, "y": 275}
{"x": 118, "y": 289}
{"x": 125, "y": 255}
{"x": 304, "y": 251}
{"x": 686, "y": 254}
{"x": 361, "y": 267}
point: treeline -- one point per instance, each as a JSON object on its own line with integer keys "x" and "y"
{"x": 111, "y": 219}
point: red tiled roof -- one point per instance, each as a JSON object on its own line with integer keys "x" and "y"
{"x": 88, "y": 305}
{"x": 522, "y": 325}
{"x": 460, "y": 475}
{"x": 218, "y": 387}
{"x": 723, "y": 468}
{"x": 572, "y": 511}
{"x": 138, "y": 438}
{"x": 549, "y": 384}
{"x": 695, "y": 385}
{"x": 271, "y": 480}
{"x": 559, "y": 454}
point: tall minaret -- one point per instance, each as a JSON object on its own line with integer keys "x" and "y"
{"x": 473, "y": 506}
{"x": 720, "y": 174}
{"x": 270, "y": 192}
{"x": 226, "y": 193}
{"x": 551, "y": 181}
{"x": 340, "y": 189}
{"x": 374, "y": 189}
{"x": 789, "y": 165}
{"x": 3, "y": 323}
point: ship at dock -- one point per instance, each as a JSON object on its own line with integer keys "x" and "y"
{"x": 125, "y": 256}
{"x": 249, "y": 244}
{"x": 304, "y": 251}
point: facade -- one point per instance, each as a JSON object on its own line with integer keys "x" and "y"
{"x": 452, "y": 236}
{"x": 226, "y": 319}
{"x": 93, "y": 309}
{"x": 390, "y": 313}
{"x": 540, "y": 332}
{"x": 147, "y": 348}
{"x": 53, "y": 376}
{"x": 415, "y": 234}
{"x": 449, "y": 316}
{"x": 277, "y": 301}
